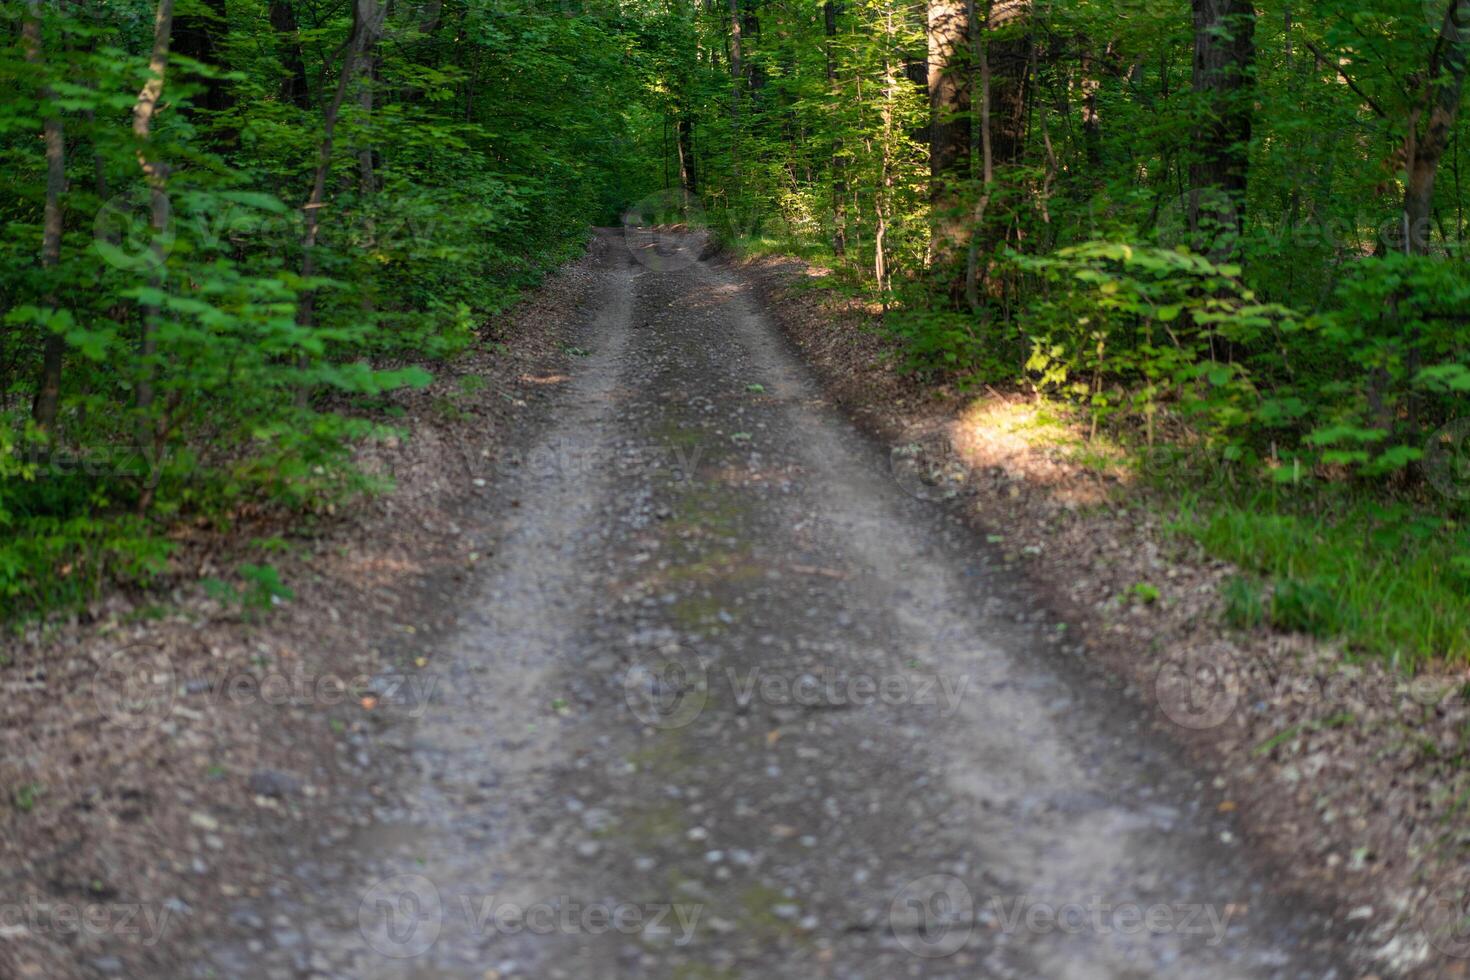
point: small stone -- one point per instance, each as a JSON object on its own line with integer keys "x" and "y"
{"x": 272, "y": 783}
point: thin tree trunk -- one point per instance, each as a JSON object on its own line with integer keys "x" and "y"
{"x": 294, "y": 86}
{"x": 48, "y": 392}
{"x": 1091, "y": 118}
{"x": 367, "y": 170}
{"x": 885, "y": 175}
{"x": 736, "y": 79}
{"x": 987, "y": 156}
{"x": 839, "y": 178}
{"x": 688, "y": 171}
{"x": 1005, "y": 75}
{"x": 155, "y": 172}
{"x": 366, "y": 20}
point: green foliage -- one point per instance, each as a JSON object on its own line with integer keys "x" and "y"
{"x": 1339, "y": 561}
{"x": 210, "y": 364}
{"x": 1304, "y": 607}
{"x": 1144, "y": 592}
{"x": 262, "y": 588}
{"x": 1244, "y": 605}
{"x": 25, "y": 798}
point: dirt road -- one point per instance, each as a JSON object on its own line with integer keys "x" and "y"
{"x": 731, "y": 701}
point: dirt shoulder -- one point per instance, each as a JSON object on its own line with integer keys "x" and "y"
{"x": 1349, "y": 778}
{"x": 158, "y": 749}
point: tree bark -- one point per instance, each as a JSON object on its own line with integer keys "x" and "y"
{"x": 688, "y": 169}
{"x": 48, "y": 391}
{"x": 366, "y": 157}
{"x": 736, "y": 78}
{"x": 1427, "y": 146}
{"x": 1224, "y": 53}
{"x": 948, "y": 32}
{"x": 1004, "y": 61}
{"x": 839, "y": 178}
{"x": 1091, "y": 118}
{"x": 981, "y": 53}
{"x": 155, "y": 172}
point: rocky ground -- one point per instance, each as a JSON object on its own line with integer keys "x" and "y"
{"x": 654, "y": 665}
{"x": 1351, "y": 776}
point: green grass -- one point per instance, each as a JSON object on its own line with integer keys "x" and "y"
{"x": 1392, "y": 581}
{"x": 1389, "y": 578}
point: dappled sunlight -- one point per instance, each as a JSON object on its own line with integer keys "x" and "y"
{"x": 1031, "y": 441}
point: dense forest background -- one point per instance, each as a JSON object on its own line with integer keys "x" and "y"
{"x": 1228, "y": 234}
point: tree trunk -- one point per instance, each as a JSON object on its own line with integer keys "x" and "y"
{"x": 366, "y": 166}
{"x": 839, "y": 178}
{"x": 48, "y": 390}
{"x": 981, "y": 53}
{"x": 688, "y": 170}
{"x": 367, "y": 17}
{"x": 885, "y": 172}
{"x": 294, "y": 86}
{"x": 949, "y": 130}
{"x": 1224, "y": 51}
{"x": 736, "y": 78}
{"x": 1091, "y": 118}
{"x": 201, "y": 37}
{"x": 1427, "y": 146}
{"x": 1005, "y": 69}
{"x": 155, "y": 172}
{"x": 1010, "y": 59}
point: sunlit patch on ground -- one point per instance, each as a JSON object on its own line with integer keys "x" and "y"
{"x": 1033, "y": 441}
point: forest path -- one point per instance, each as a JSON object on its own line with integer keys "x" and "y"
{"x": 731, "y": 703}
